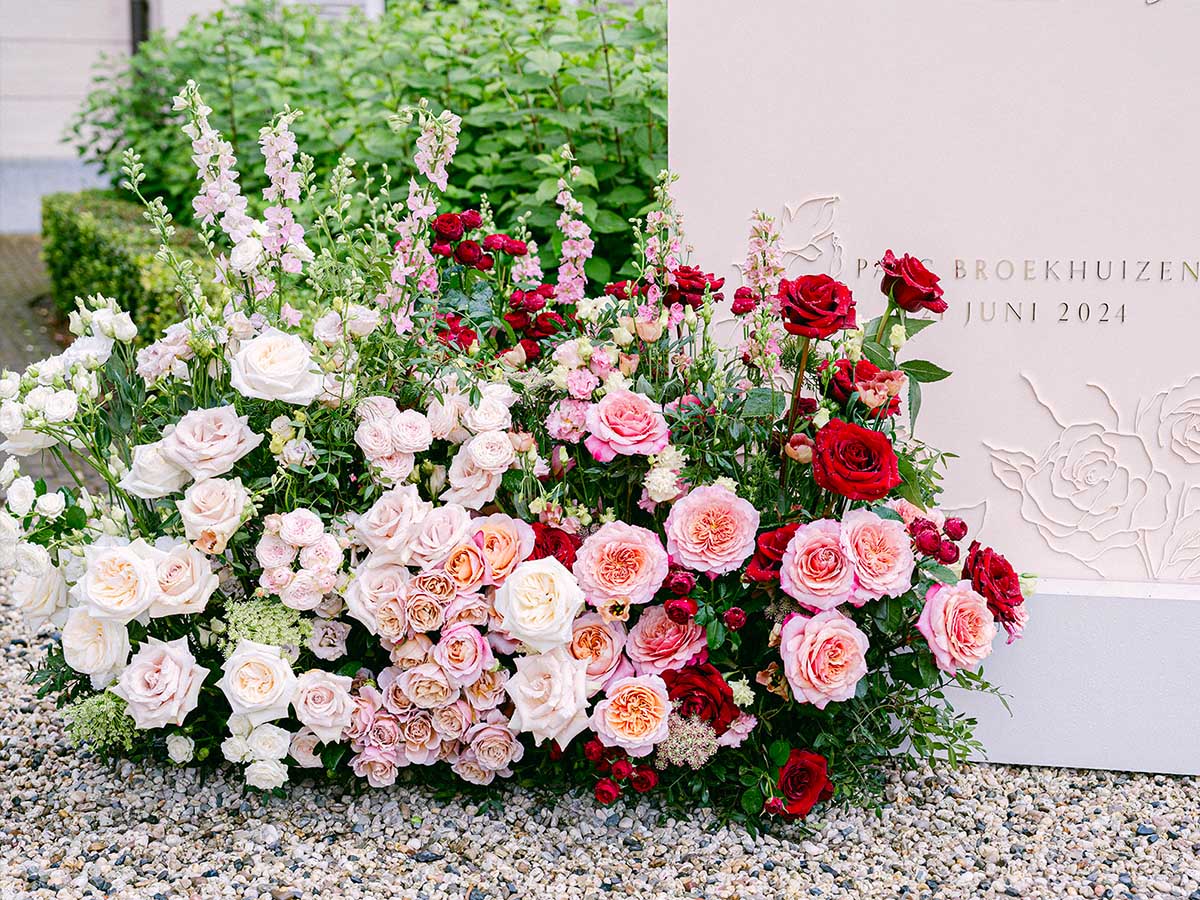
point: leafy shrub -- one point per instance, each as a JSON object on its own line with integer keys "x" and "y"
{"x": 96, "y": 243}
{"x": 527, "y": 75}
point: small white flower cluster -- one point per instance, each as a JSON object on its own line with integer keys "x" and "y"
{"x": 662, "y": 482}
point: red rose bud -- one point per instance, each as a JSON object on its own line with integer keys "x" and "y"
{"x": 471, "y": 218}
{"x": 494, "y": 242}
{"x": 622, "y": 769}
{"x": 744, "y": 301}
{"x": 440, "y": 249}
{"x": 948, "y": 552}
{"x": 514, "y": 247}
{"x": 928, "y": 542}
{"x": 485, "y": 263}
{"x": 910, "y": 284}
{"x": 679, "y": 581}
{"x": 468, "y": 253}
{"x": 532, "y": 349}
{"x": 919, "y": 524}
{"x": 556, "y": 752}
{"x": 593, "y": 750}
{"x": 735, "y": 618}
{"x": 774, "y": 806}
{"x": 680, "y": 609}
{"x": 955, "y": 528}
{"x": 448, "y": 227}
{"x": 993, "y": 576}
{"x": 607, "y": 791}
{"x": 644, "y": 779}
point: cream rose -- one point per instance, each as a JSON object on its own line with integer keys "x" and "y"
{"x": 549, "y": 692}
{"x": 303, "y": 749}
{"x": 208, "y": 442}
{"x": 390, "y": 520}
{"x": 95, "y": 647}
{"x": 266, "y": 774}
{"x": 162, "y": 683}
{"x": 470, "y": 485}
{"x": 41, "y": 598}
{"x": 119, "y": 582}
{"x": 258, "y": 682}
{"x": 538, "y": 603}
{"x": 382, "y": 577}
{"x": 410, "y": 432}
{"x": 152, "y": 475}
{"x": 322, "y": 702}
{"x": 491, "y": 451}
{"x": 276, "y": 366}
{"x": 212, "y": 511}
{"x": 438, "y": 533}
{"x": 186, "y": 582}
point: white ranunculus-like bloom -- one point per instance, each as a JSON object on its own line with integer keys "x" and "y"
{"x": 21, "y": 496}
{"x": 152, "y": 475}
{"x": 550, "y": 695}
{"x": 246, "y": 255}
{"x": 258, "y": 682}
{"x": 208, "y": 442}
{"x": 9, "y": 471}
{"x": 212, "y": 511}
{"x": 492, "y": 414}
{"x": 61, "y": 406}
{"x": 269, "y": 741}
{"x": 538, "y": 602}
{"x": 186, "y": 582}
{"x": 41, "y": 598}
{"x": 10, "y": 385}
{"x": 180, "y": 748}
{"x": 266, "y": 774}
{"x": 236, "y": 748}
{"x": 276, "y": 366}
{"x": 51, "y": 506}
{"x": 12, "y": 417}
{"x": 161, "y": 684}
{"x": 322, "y": 702}
{"x": 96, "y": 647}
{"x": 119, "y": 582}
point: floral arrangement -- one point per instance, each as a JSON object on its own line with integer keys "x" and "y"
{"x": 400, "y": 503}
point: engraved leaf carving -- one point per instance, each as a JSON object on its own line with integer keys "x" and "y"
{"x": 1012, "y": 467}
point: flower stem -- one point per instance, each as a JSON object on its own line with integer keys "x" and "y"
{"x": 883, "y": 322}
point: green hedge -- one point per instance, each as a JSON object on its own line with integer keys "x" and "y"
{"x": 93, "y": 242}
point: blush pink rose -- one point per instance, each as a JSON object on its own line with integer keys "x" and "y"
{"x": 463, "y": 653}
{"x": 599, "y": 644}
{"x": 958, "y": 625}
{"x": 625, "y": 423}
{"x": 620, "y": 562}
{"x": 824, "y": 657}
{"x": 880, "y": 551}
{"x": 656, "y": 644}
{"x": 711, "y": 529}
{"x": 816, "y": 572}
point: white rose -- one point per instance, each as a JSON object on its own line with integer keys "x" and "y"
{"x": 391, "y": 518}
{"x": 491, "y": 451}
{"x": 269, "y": 741}
{"x": 186, "y": 582}
{"x": 51, "y": 505}
{"x": 152, "y": 475}
{"x": 322, "y": 702}
{"x": 27, "y": 442}
{"x": 410, "y": 432}
{"x": 119, "y": 582}
{"x": 490, "y": 415}
{"x": 12, "y": 417}
{"x": 538, "y": 603}
{"x": 162, "y": 683}
{"x": 445, "y": 415}
{"x": 9, "y": 471}
{"x": 258, "y": 682}
{"x": 180, "y": 748}
{"x": 470, "y": 485}
{"x": 395, "y": 467}
{"x": 21, "y": 496}
{"x": 549, "y": 691}
{"x": 374, "y": 437}
{"x": 41, "y": 598}
{"x": 276, "y": 366}
{"x": 61, "y": 406}
{"x": 235, "y": 748}
{"x": 212, "y": 511}
{"x": 266, "y": 774}
{"x": 208, "y": 442}
{"x": 246, "y": 254}
{"x": 96, "y": 647}
{"x": 304, "y": 749}
{"x": 10, "y": 385}
{"x": 33, "y": 559}
{"x": 240, "y": 726}
{"x": 376, "y": 409}
{"x": 328, "y": 329}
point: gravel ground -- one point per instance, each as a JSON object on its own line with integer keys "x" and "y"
{"x": 72, "y": 827}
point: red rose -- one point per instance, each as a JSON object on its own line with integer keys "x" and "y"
{"x": 471, "y": 218}
{"x": 440, "y": 249}
{"x": 690, "y": 285}
{"x": 804, "y": 782}
{"x": 518, "y": 321}
{"x": 622, "y": 769}
{"x": 485, "y": 263}
{"x": 531, "y": 347}
{"x": 992, "y": 576}
{"x": 846, "y": 374}
{"x": 546, "y": 324}
{"x": 679, "y": 581}
{"x": 700, "y": 691}
{"x": 644, "y": 779}
{"x": 928, "y": 541}
{"x": 768, "y": 555}
{"x": 744, "y": 301}
{"x": 626, "y": 289}
{"x": 513, "y": 247}
{"x": 448, "y": 227}
{"x": 735, "y": 618}
{"x": 593, "y": 750}
{"x": 815, "y": 306}
{"x": 855, "y": 462}
{"x": 680, "y": 609}
{"x": 494, "y": 242}
{"x": 910, "y": 284}
{"x": 452, "y": 331}
{"x": 551, "y": 541}
{"x": 468, "y": 253}
{"x": 607, "y": 791}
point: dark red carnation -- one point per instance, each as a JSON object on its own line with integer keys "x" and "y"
{"x": 992, "y": 576}
{"x": 912, "y": 286}
{"x": 744, "y": 301}
{"x": 448, "y": 227}
{"x": 593, "y": 750}
{"x": 607, "y": 791}
{"x": 690, "y": 285}
{"x": 471, "y": 218}
{"x": 846, "y": 374}
{"x": 803, "y": 782}
{"x": 551, "y": 541}
{"x": 644, "y": 779}
{"x": 468, "y": 253}
{"x": 700, "y": 691}
{"x": 855, "y": 462}
{"x": 626, "y": 289}
{"x": 768, "y": 555}
{"x": 815, "y": 306}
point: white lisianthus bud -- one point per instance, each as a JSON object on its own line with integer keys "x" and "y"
{"x": 689, "y": 317}
{"x": 897, "y": 337}
{"x": 854, "y": 342}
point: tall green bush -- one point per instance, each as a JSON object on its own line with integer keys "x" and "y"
{"x": 526, "y": 75}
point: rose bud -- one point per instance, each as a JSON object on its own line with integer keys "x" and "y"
{"x": 743, "y": 301}
{"x": 644, "y": 779}
{"x": 774, "y": 805}
{"x": 514, "y": 358}
{"x": 471, "y": 218}
{"x": 607, "y": 791}
{"x": 800, "y": 448}
{"x": 679, "y": 581}
{"x": 514, "y": 247}
{"x": 955, "y": 529}
{"x": 441, "y": 249}
{"x": 593, "y": 750}
{"x": 556, "y": 751}
{"x": 919, "y": 524}
{"x": 448, "y": 227}
{"x": 468, "y": 253}
{"x": 485, "y": 263}
{"x": 735, "y": 618}
{"x": 622, "y": 769}
{"x": 628, "y": 363}
{"x": 531, "y": 347}
{"x": 522, "y": 441}
{"x": 680, "y": 609}
{"x": 928, "y": 542}
{"x": 494, "y": 242}
{"x": 948, "y": 552}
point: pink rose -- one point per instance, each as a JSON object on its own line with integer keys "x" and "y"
{"x": 909, "y": 511}
{"x": 380, "y": 578}
{"x": 494, "y": 744}
{"x": 161, "y": 684}
{"x": 443, "y": 529}
{"x": 273, "y": 552}
{"x": 208, "y": 442}
{"x": 387, "y": 524}
{"x": 816, "y": 572}
{"x": 376, "y": 765}
{"x": 823, "y": 657}
{"x": 300, "y": 527}
{"x": 657, "y": 644}
{"x": 958, "y": 625}
{"x": 633, "y": 714}
{"x": 880, "y": 551}
{"x": 463, "y": 652}
{"x": 427, "y": 686}
{"x": 470, "y": 484}
{"x": 322, "y": 701}
{"x": 599, "y": 644}
{"x": 620, "y": 562}
{"x": 452, "y": 721}
{"x": 625, "y": 423}
{"x": 711, "y": 529}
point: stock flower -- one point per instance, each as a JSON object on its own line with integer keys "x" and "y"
{"x": 538, "y": 602}
{"x": 633, "y": 714}
{"x": 855, "y": 462}
{"x": 206, "y": 443}
{"x": 824, "y": 657}
{"x": 815, "y": 306}
{"x": 993, "y": 576}
{"x": 276, "y": 366}
{"x": 620, "y": 561}
{"x": 161, "y": 684}
{"x": 880, "y": 551}
{"x": 711, "y": 529}
{"x": 550, "y": 696}
{"x": 958, "y": 625}
{"x": 626, "y": 423}
{"x": 803, "y": 782}
{"x": 912, "y": 286}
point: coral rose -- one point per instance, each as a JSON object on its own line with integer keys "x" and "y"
{"x": 958, "y": 625}
{"x": 711, "y": 529}
{"x": 657, "y": 644}
{"x": 880, "y": 551}
{"x": 599, "y": 644}
{"x": 824, "y": 657}
{"x": 815, "y": 570}
{"x": 620, "y": 562}
{"x": 633, "y": 714}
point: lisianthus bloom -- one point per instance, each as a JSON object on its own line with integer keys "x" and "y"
{"x": 847, "y": 375}
{"x": 815, "y": 306}
{"x": 958, "y": 625}
{"x": 993, "y": 576}
{"x": 855, "y": 462}
{"x": 824, "y": 657}
{"x": 912, "y": 286}
{"x": 711, "y": 529}
{"x": 803, "y": 782}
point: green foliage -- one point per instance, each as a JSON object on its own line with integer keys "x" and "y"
{"x": 100, "y": 721}
{"x": 94, "y": 242}
{"x": 526, "y": 75}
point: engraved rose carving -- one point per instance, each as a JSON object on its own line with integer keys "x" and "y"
{"x": 1178, "y": 420}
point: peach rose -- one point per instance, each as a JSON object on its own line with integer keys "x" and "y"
{"x": 412, "y": 652}
{"x": 633, "y": 714}
{"x": 493, "y": 743}
{"x": 468, "y": 609}
{"x": 625, "y": 423}
{"x": 467, "y": 567}
{"x": 427, "y": 686}
{"x": 823, "y": 657}
{"x": 599, "y": 644}
{"x": 711, "y": 529}
{"x": 452, "y": 721}
{"x": 425, "y": 611}
{"x": 620, "y": 561}
{"x": 487, "y": 691}
{"x": 437, "y": 583}
{"x": 816, "y": 572}
{"x": 505, "y": 542}
{"x": 958, "y": 625}
{"x": 880, "y": 550}
{"x": 657, "y": 644}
